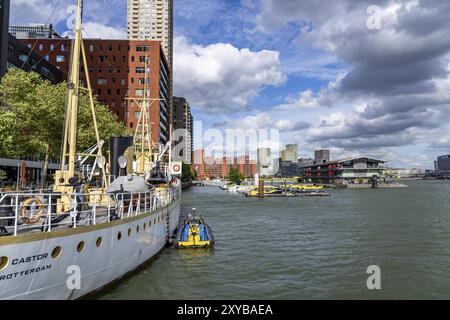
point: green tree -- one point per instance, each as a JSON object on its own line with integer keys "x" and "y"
{"x": 32, "y": 117}
{"x": 188, "y": 173}
{"x": 235, "y": 176}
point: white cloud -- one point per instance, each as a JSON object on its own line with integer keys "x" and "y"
{"x": 220, "y": 77}
{"x": 98, "y": 30}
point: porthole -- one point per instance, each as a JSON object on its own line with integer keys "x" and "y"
{"x": 56, "y": 253}
{"x": 150, "y": 224}
{"x": 99, "y": 241}
{"x": 81, "y": 246}
{"x": 137, "y": 229}
{"x": 129, "y": 232}
{"x": 119, "y": 235}
{"x": 4, "y": 261}
{"x": 145, "y": 226}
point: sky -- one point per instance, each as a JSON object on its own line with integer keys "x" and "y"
{"x": 358, "y": 77}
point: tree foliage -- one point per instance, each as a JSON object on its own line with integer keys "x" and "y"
{"x": 32, "y": 117}
{"x": 235, "y": 176}
{"x": 188, "y": 173}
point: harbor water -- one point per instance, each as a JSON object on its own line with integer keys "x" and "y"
{"x": 308, "y": 248}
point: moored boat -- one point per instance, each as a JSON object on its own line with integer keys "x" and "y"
{"x": 194, "y": 233}
{"x": 93, "y": 227}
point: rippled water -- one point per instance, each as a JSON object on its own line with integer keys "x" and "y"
{"x": 308, "y": 248}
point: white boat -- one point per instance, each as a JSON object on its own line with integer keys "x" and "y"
{"x": 76, "y": 239}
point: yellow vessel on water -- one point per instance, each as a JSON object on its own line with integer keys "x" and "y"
{"x": 304, "y": 187}
{"x": 194, "y": 233}
{"x": 268, "y": 190}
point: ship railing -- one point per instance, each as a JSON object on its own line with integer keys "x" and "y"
{"x": 22, "y": 213}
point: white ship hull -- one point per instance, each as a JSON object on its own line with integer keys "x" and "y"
{"x": 32, "y": 272}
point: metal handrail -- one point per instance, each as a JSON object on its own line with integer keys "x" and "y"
{"x": 86, "y": 209}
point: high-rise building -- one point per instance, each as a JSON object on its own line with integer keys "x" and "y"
{"x": 322, "y": 156}
{"x": 264, "y": 164}
{"x": 290, "y": 154}
{"x": 33, "y": 30}
{"x": 152, "y": 20}
{"x": 183, "y": 119}
{"x": 442, "y": 166}
{"x": 4, "y": 22}
{"x": 117, "y": 73}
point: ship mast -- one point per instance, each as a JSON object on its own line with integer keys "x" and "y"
{"x": 70, "y": 134}
{"x": 143, "y": 143}
{"x": 68, "y": 176}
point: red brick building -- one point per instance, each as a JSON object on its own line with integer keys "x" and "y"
{"x": 215, "y": 168}
{"x": 117, "y": 74}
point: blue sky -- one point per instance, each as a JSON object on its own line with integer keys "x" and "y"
{"x": 316, "y": 70}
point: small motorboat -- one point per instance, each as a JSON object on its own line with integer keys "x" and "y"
{"x": 194, "y": 233}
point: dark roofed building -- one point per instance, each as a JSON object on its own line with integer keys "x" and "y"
{"x": 346, "y": 171}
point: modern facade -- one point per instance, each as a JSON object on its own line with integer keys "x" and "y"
{"x": 346, "y": 171}
{"x": 152, "y": 20}
{"x": 264, "y": 164}
{"x": 220, "y": 168}
{"x": 322, "y": 156}
{"x": 20, "y": 56}
{"x": 442, "y": 167}
{"x": 4, "y": 22}
{"x": 183, "y": 119}
{"x": 290, "y": 154}
{"x": 117, "y": 75}
{"x": 33, "y": 30}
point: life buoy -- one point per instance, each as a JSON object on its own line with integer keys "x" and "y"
{"x": 25, "y": 207}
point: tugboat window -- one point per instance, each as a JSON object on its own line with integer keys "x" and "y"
{"x": 99, "y": 242}
{"x": 119, "y": 235}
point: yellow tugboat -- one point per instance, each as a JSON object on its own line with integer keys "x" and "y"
{"x": 194, "y": 233}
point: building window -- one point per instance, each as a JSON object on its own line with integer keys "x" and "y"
{"x": 102, "y": 81}
{"x": 142, "y": 59}
{"x": 123, "y": 82}
{"x": 101, "y": 58}
{"x": 60, "y": 58}
{"x": 91, "y": 48}
{"x": 41, "y": 47}
{"x": 142, "y": 48}
{"x": 140, "y": 70}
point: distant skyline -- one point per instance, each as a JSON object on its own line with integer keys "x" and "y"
{"x": 327, "y": 74}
